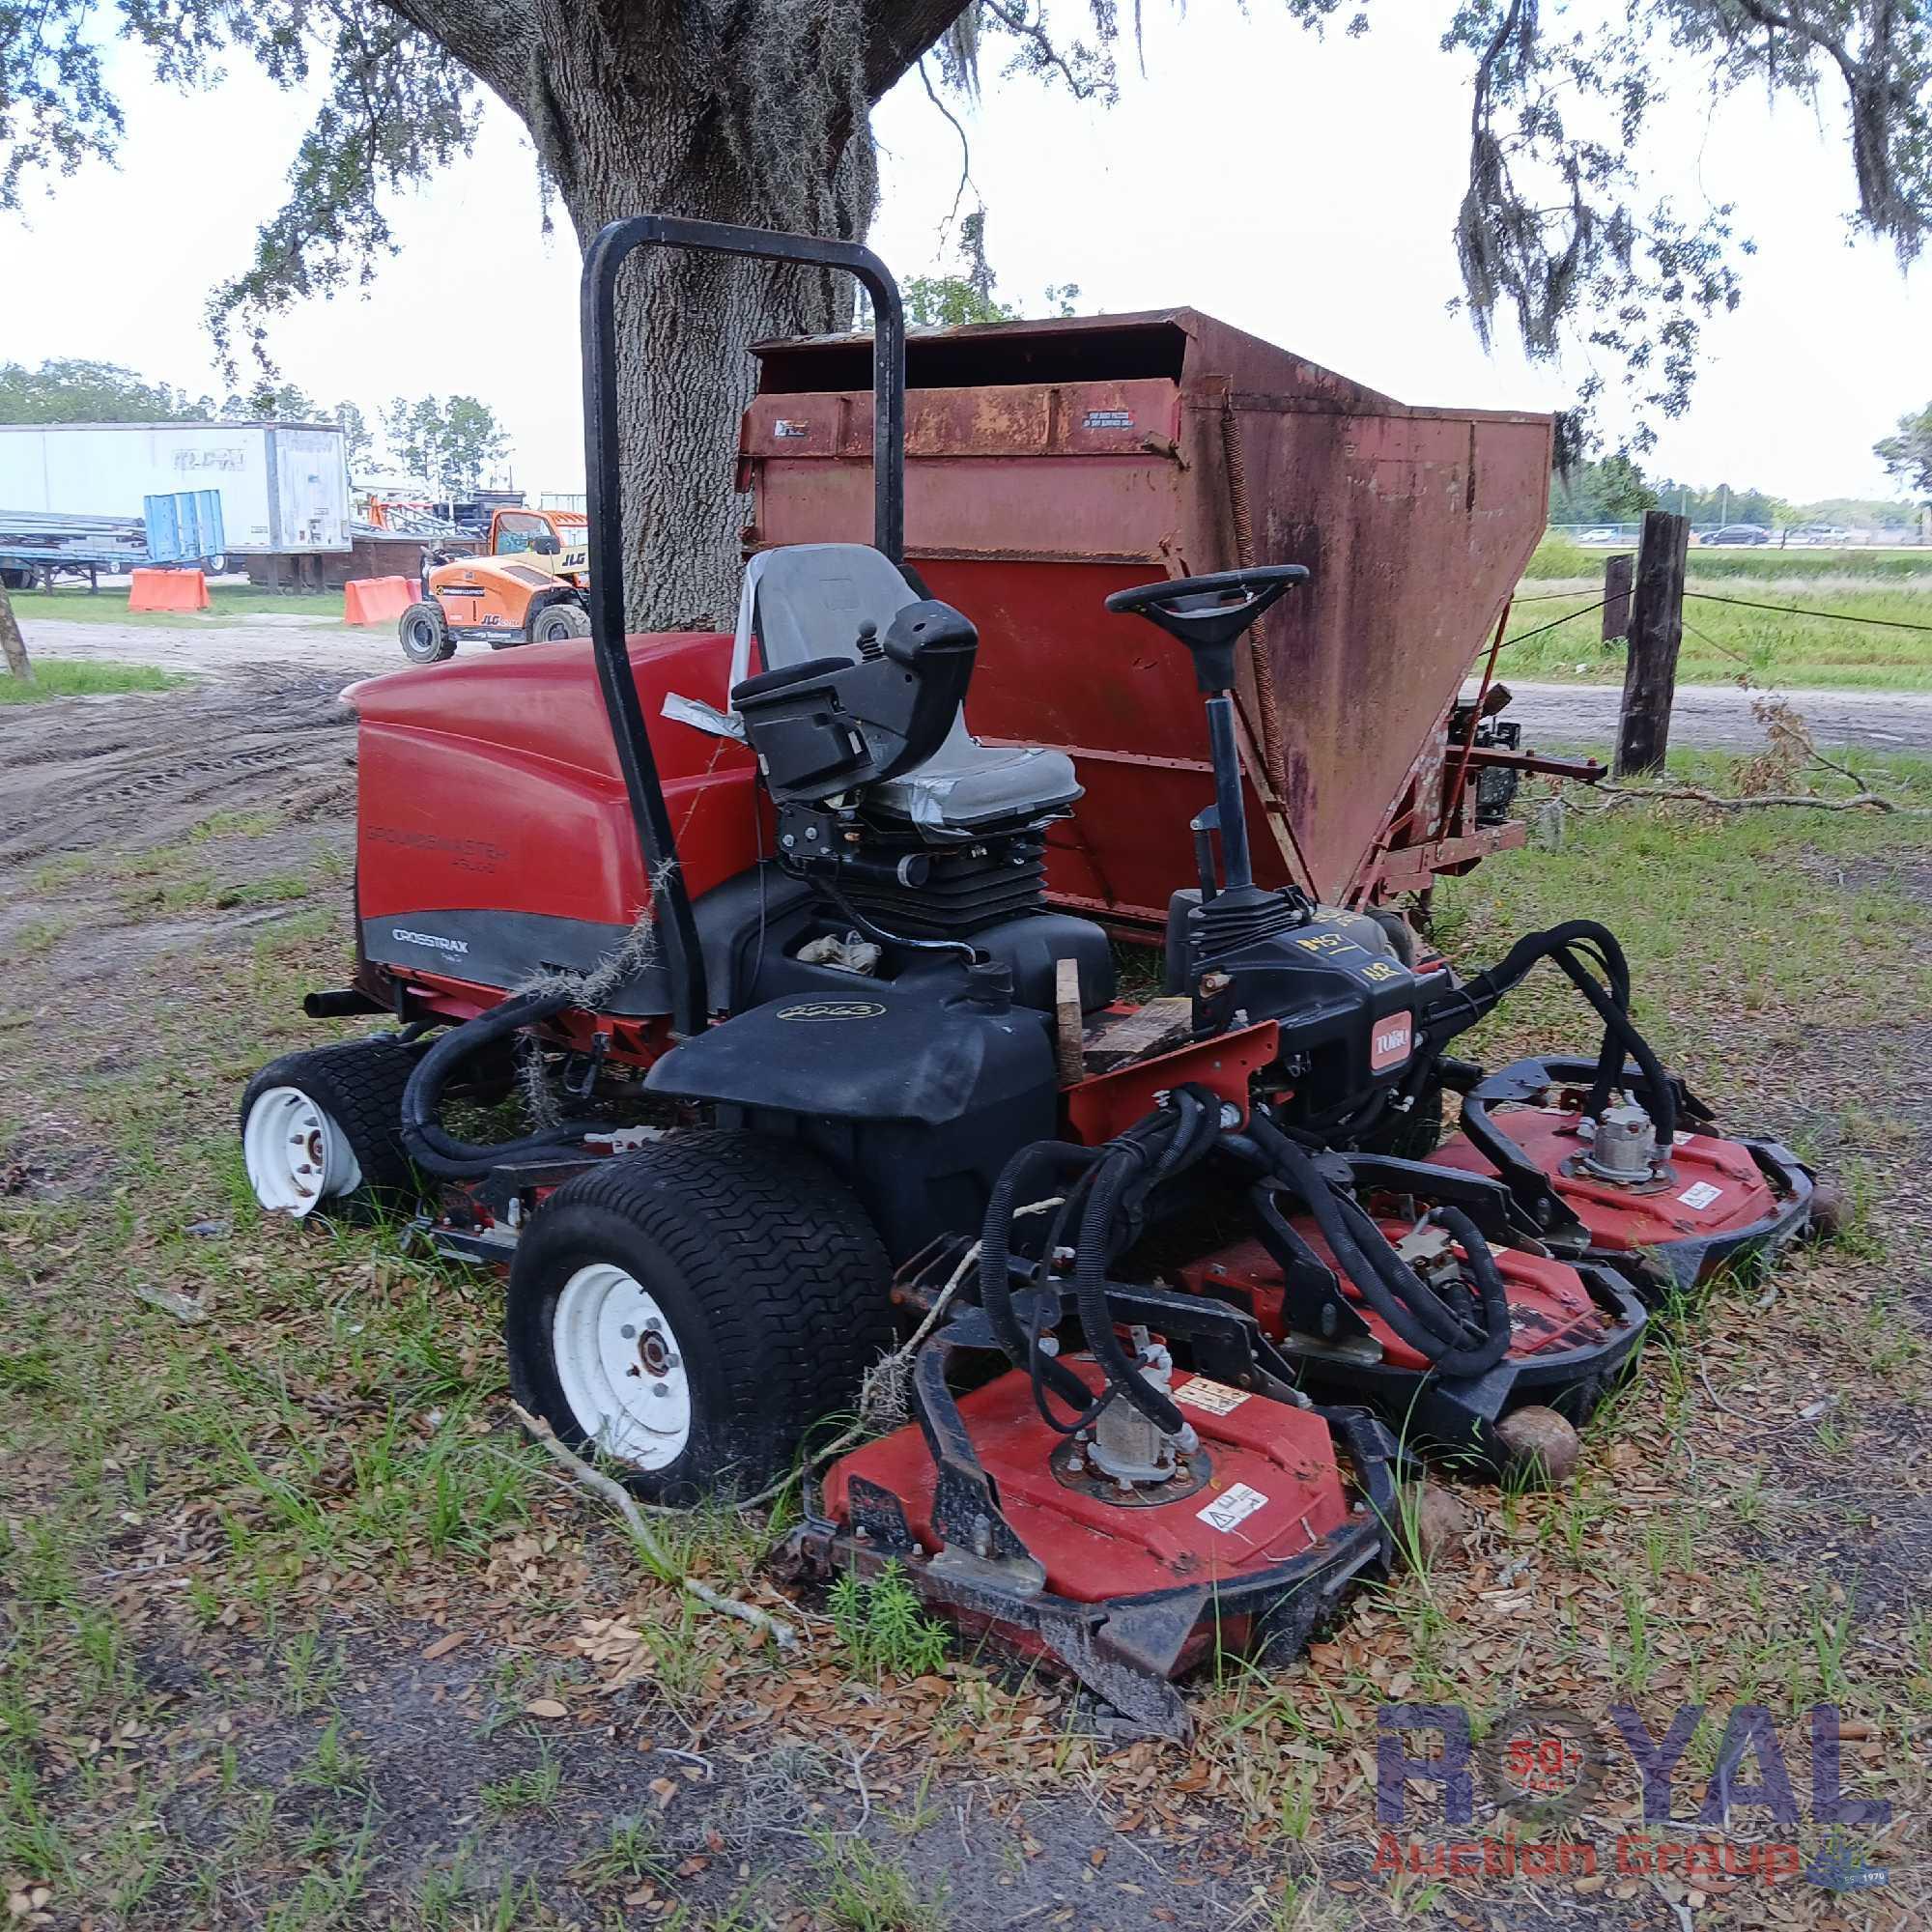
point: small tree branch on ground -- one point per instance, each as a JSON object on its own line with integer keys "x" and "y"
{"x": 1867, "y": 800}
{"x": 626, "y": 1505}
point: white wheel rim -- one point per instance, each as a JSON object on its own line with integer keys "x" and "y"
{"x": 297, "y": 1155}
{"x": 621, "y": 1367}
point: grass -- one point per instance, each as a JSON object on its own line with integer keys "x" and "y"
{"x": 885, "y": 1632}
{"x": 1725, "y": 642}
{"x": 324, "y": 1466}
{"x": 1723, "y": 930}
{"x": 83, "y": 677}
{"x": 858, "y": 1890}
{"x": 227, "y": 604}
{"x": 1556, "y": 557}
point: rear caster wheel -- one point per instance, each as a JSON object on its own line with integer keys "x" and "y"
{"x": 320, "y": 1130}
{"x": 688, "y": 1310}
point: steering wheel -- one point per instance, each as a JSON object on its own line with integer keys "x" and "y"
{"x": 1207, "y": 614}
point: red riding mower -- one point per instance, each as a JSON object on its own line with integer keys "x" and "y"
{"x": 838, "y": 1075}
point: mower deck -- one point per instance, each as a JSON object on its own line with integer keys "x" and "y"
{"x": 1722, "y": 1201}
{"x": 1248, "y": 1550}
{"x": 1571, "y": 1330}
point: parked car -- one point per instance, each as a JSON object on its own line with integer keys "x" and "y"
{"x": 1609, "y": 534}
{"x": 1737, "y": 533}
{"x": 1824, "y": 534}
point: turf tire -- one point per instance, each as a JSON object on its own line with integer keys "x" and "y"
{"x": 358, "y": 1084}
{"x": 768, "y": 1271}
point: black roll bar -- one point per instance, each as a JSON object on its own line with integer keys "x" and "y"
{"x": 678, "y": 929}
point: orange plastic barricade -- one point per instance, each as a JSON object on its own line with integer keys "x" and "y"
{"x": 377, "y": 600}
{"x": 167, "y": 590}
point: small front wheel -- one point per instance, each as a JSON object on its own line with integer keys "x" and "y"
{"x": 424, "y": 634}
{"x": 691, "y": 1310}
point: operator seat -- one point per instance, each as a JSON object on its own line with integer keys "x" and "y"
{"x": 808, "y": 606}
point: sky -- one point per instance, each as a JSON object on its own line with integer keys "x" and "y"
{"x": 1302, "y": 190}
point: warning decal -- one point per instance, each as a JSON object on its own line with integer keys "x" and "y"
{"x": 1699, "y": 1194}
{"x": 1233, "y": 1505}
{"x": 1216, "y": 1398}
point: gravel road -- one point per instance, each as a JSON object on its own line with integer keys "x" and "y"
{"x": 1719, "y": 716}
{"x": 1711, "y": 715}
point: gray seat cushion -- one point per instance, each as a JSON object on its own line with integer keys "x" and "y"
{"x": 966, "y": 787}
{"x": 809, "y": 601}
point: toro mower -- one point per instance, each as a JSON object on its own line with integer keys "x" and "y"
{"x": 757, "y": 930}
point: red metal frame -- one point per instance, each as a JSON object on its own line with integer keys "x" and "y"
{"x": 1049, "y": 463}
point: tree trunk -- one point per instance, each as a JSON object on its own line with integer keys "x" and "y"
{"x": 634, "y": 114}
{"x": 13, "y": 646}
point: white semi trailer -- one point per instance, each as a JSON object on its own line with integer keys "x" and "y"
{"x": 284, "y": 486}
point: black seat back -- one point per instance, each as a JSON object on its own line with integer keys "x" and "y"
{"x": 826, "y": 724}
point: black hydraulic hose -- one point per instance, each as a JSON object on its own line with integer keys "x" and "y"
{"x": 1492, "y": 1291}
{"x": 1396, "y": 1292}
{"x": 1480, "y": 994}
{"x": 1402, "y": 1281}
{"x": 996, "y": 1298}
{"x": 1621, "y": 1038}
{"x": 440, "y": 1153}
{"x": 1123, "y": 1163}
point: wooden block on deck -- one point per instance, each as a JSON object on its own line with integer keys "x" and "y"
{"x": 1118, "y": 1039}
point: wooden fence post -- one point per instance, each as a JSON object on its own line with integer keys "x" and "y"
{"x": 13, "y": 646}
{"x": 1656, "y": 632}
{"x": 1618, "y": 571}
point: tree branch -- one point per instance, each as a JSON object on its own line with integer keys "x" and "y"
{"x": 493, "y": 38}
{"x": 899, "y": 33}
{"x": 626, "y": 1505}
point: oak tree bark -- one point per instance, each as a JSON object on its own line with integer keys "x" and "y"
{"x": 13, "y": 646}
{"x": 755, "y": 112}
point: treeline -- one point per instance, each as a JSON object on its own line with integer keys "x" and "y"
{"x": 1616, "y": 491}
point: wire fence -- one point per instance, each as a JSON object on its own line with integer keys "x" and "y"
{"x": 1799, "y": 610}
{"x": 1710, "y": 597}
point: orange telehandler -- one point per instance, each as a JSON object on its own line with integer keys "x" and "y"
{"x": 526, "y": 587}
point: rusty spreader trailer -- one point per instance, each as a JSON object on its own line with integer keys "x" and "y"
{"x": 1050, "y": 463}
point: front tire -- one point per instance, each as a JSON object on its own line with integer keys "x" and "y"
{"x": 555, "y": 622}
{"x": 320, "y": 1130}
{"x": 690, "y": 1310}
{"x": 423, "y": 632}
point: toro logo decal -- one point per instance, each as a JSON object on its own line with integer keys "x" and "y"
{"x": 832, "y": 1010}
{"x": 1391, "y": 1040}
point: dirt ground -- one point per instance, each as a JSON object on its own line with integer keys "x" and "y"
{"x": 297, "y": 642}
{"x": 301, "y": 1634}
